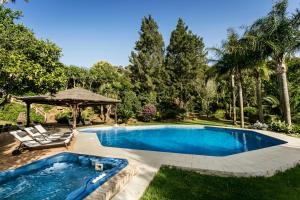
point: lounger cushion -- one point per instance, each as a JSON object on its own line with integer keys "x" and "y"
{"x": 40, "y": 128}
{"x": 21, "y": 134}
{"x": 34, "y": 131}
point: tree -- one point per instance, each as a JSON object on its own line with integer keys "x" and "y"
{"x": 233, "y": 60}
{"x": 294, "y": 80}
{"x": 185, "y": 64}
{"x": 27, "y": 64}
{"x": 78, "y": 77}
{"x": 108, "y": 80}
{"x": 129, "y": 107}
{"x": 280, "y": 34}
{"x": 209, "y": 94}
{"x": 256, "y": 62}
{"x": 220, "y": 73}
{"x": 146, "y": 62}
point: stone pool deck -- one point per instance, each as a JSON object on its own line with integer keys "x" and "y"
{"x": 262, "y": 162}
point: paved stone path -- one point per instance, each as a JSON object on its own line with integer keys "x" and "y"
{"x": 262, "y": 162}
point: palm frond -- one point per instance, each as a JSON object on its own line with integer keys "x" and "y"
{"x": 272, "y": 100}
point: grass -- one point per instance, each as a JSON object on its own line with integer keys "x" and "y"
{"x": 171, "y": 183}
{"x": 10, "y": 112}
{"x": 209, "y": 122}
{"x": 2, "y": 122}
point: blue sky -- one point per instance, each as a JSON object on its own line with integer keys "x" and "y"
{"x": 93, "y": 30}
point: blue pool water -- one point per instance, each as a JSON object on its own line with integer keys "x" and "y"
{"x": 185, "y": 139}
{"x": 63, "y": 176}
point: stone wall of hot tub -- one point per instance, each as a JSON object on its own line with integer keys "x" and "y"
{"x": 115, "y": 184}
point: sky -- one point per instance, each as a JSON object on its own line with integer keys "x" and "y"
{"x": 92, "y": 30}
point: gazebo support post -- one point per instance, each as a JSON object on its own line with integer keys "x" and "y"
{"x": 27, "y": 114}
{"x": 116, "y": 117}
{"x": 74, "y": 115}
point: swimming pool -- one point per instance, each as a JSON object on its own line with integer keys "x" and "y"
{"x": 62, "y": 176}
{"x": 197, "y": 140}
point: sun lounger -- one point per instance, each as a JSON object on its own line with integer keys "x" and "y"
{"x": 43, "y": 131}
{"x": 32, "y": 132}
{"x": 29, "y": 143}
{"x": 24, "y": 138}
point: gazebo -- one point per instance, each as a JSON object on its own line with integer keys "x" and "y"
{"x": 75, "y": 98}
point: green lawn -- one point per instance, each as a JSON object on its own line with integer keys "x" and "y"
{"x": 2, "y": 122}
{"x": 209, "y": 122}
{"x": 184, "y": 185}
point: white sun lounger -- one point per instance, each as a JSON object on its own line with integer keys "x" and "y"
{"x": 39, "y": 137}
{"x": 27, "y": 142}
{"x": 44, "y": 132}
{"x": 24, "y": 138}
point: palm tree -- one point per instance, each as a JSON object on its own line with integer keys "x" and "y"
{"x": 232, "y": 60}
{"x": 278, "y": 34}
{"x": 255, "y": 59}
{"x": 218, "y": 70}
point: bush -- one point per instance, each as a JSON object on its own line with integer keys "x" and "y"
{"x": 280, "y": 126}
{"x": 129, "y": 107}
{"x": 125, "y": 114}
{"x": 169, "y": 110}
{"x": 260, "y": 126}
{"x": 158, "y": 116}
{"x": 10, "y": 112}
{"x": 251, "y": 114}
{"x": 296, "y": 118}
{"x": 270, "y": 118}
{"x": 296, "y": 129}
{"x": 148, "y": 112}
{"x": 220, "y": 114}
{"x": 87, "y": 114}
{"x": 63, "y": 117}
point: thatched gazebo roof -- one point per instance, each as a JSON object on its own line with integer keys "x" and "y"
{"x": 75, "y": 97}
{"x": 71, "y": 96}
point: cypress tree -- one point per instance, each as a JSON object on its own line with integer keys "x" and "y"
{"x": 185, "y": 65}
{"x": 146, "y": 62}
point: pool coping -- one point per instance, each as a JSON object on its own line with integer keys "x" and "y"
{"x": 289, "y": 140}
{"x": 261, "y": 162}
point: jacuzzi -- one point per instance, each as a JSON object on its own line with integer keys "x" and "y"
{"x": 62, "y": 176}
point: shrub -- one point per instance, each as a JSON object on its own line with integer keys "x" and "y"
{"x": 129, "y": 107}
{"x": 260, "y": 126}
{"x": 296, "y": 129}
{"x": 251, "y": 114}
{"x": 280, "y": 126}
{"x": 63, "y": 117}
{"x": 87, "y": 114}
{"x": 10, "y": 112}
{"x": 271, "y": 118}
{"x": 220, "y": 114}
{"x": 169, "y": 110}
{"x": 296, "y": 118}
{"x": 125, "y": 114}
{"x": 148, "y": 112}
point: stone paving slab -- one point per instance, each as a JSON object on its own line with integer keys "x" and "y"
{"x": 261, "y": 162}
